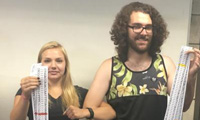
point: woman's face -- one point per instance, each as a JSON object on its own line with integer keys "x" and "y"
{"x": 54, "y": 59}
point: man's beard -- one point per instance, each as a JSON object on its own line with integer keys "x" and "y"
{"x": 133, "y": 45}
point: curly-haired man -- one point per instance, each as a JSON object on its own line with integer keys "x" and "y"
{"x": 136, "y": 81}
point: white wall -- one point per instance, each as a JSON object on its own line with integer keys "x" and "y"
{"x": 82, "y": 27}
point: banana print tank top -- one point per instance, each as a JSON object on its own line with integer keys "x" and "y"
{"x": 138, "y": 95}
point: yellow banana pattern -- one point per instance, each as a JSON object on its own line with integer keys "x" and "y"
{"x": 137, "y": 83}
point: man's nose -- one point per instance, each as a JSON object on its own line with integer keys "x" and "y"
{"x": 143, "y": 32}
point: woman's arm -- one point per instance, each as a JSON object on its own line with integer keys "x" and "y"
{"x": 20, "y": 109}
{"x": 21, "y": 102}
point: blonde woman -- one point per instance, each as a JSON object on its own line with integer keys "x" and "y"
{"x": 65, "y": 99}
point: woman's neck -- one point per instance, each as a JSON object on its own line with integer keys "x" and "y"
{"x": 55, "y": 89}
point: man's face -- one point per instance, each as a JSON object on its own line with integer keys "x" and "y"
{"x": 140, "y": 32}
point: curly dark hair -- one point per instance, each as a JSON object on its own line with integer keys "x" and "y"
{"x": 119, "y": 30}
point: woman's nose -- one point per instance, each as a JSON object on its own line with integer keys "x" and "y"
{"x": 53, "y": 64}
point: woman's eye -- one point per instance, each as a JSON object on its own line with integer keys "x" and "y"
{"x": 59, "y": 60}
{"x": 46, "y": 61}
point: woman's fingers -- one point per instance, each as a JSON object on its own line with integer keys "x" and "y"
{"x": 28, "y": 84}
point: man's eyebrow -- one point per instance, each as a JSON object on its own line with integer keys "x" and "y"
{"x": 140, "y": 24}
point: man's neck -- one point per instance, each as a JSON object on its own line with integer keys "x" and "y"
{"x": 138, "y": 61}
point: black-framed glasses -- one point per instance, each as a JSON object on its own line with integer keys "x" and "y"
{"x": 138, "y": 28}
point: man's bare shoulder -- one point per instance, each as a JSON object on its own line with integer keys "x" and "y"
{"x": 107, "y": 62}
{"x": 170, "y": 66}
{"x": 167, "y": 59}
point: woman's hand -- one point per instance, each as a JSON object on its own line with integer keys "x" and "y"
{"x": 28, "y": 84}
{"x": 76, "y": 113}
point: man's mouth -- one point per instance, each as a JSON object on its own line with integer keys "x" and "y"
{"x": 142, "y": 39}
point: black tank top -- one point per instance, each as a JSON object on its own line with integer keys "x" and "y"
{"x": 138, "y": 95}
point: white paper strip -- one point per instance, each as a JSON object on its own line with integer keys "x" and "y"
{"x": 40, "y": 95}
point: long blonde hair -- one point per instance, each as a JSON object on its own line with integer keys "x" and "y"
{"x": 69, "y": 95}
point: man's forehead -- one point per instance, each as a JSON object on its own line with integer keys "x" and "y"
{"x": 140, "y": 17}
